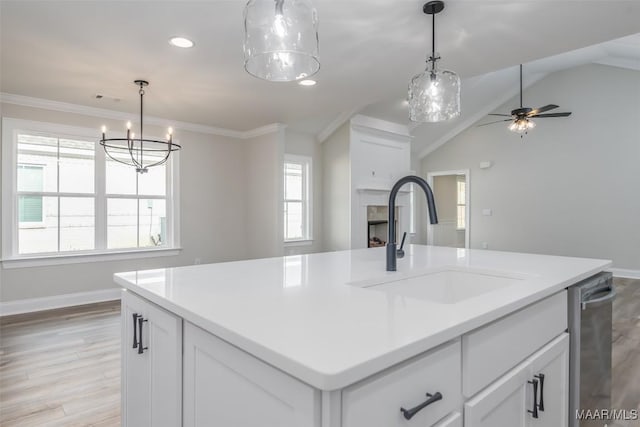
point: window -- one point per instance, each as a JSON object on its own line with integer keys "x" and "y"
{"x": 62, "y": 195}
{"x": 461, "y": 222}
{"x": 297, "y": 199}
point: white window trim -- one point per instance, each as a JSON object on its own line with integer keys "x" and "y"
{"x": 10, "y": 257}
{"x": 306, "y": 161}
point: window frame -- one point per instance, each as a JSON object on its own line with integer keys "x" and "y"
{"x": 307, "y": 198}
{"x": 462, "y": 205}
{"x": 11, "y": 127}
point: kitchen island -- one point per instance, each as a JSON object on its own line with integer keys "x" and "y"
{"x": 334, "y": 340}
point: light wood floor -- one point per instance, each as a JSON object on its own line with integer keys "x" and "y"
{"x": 62, "y": 367}
{"x": 625, "y": 385}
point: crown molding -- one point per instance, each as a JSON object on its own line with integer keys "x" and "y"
{"x": 341, "y": 119}
{"x": 65, "y": 107}
{"x": 263, "y": 130}
{"x": 375, "y": 125}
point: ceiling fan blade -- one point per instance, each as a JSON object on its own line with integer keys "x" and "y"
{"x": 541, "y": 109}
{"x": 552, "y": 115}
{"x": 490, "y": 123}
{"x": 502, "y": 115}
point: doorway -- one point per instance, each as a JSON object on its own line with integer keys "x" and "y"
{"x": 451, "y": 190}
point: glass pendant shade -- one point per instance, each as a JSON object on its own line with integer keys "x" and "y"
{"x": 522, "y": 125}
{"x": 281, "y": 39}
{"x": 434, "y": 96}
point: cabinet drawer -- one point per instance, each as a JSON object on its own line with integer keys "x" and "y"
{"x": 376, "y": 402}
{"x": 491, "y": 351}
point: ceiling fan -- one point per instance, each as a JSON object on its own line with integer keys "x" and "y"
{"x": 520, "y": 118}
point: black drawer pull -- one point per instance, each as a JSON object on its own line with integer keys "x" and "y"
{"x": 541, "y": 404}
{"x": 534, "y": 413}
{"x": 141, "y": 347}
{"x": 409, "y": 413}
{"x": 135, "y": 330}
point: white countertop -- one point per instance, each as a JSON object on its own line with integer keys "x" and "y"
{"x": 301, "y": 315}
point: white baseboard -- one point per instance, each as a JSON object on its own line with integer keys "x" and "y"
{"x": 57, "y": 301}
{"x": 625, "y": 273}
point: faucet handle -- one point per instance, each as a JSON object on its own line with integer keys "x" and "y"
{"x": 400, "y": 252}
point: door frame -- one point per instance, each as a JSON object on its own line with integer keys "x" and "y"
{"x": 467, "y": 196}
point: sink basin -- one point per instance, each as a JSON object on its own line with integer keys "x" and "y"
{"x": 448, "y": 286}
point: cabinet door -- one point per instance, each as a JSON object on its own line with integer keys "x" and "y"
{"x": 504, "y": 403}
{"x": 225, "y": 387}
{"x": 151, "y": 379}
{"x": 551, "y": 367}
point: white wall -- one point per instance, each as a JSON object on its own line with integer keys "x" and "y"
{"x": 336, "y": 212}
{"x": 570, "y": 187}
{"x": 303, "y": 144}
{"x": 263, "y": 221}
{"x": 214, "y": 200}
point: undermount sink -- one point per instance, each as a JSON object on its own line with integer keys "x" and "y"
{"x": 447, "y": 286}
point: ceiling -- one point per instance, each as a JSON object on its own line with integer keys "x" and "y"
{"x": 69, "y": 51}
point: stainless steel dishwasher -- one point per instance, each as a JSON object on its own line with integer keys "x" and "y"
{"x": 590, "y": 327}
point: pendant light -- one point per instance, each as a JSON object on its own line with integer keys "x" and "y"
{"x": 434, "y": 95}
{"x": 281, "y": 39}
{"x": 139, "y": 153}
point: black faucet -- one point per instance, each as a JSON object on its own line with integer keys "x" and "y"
{"x": 433, "y": 216}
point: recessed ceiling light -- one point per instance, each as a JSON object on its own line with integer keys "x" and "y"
{"x": 307, "y": 82}
{"x": 180, "y": 42}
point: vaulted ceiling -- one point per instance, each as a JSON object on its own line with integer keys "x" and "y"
{"x": 69, "y": 51}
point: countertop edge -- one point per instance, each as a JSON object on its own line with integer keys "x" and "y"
{"x": 329, "y": 381}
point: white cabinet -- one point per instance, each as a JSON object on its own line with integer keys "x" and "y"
{"x": 216, "y": 384}
{"x": 224, "y": 387}
{"x": 509, "y": 401}
{"x": 492, "y": 350}
{"x": 151, "y": 364}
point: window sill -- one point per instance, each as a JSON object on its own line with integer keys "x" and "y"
{"x": 40, "y": 261}
{"x": 306, "y": 242}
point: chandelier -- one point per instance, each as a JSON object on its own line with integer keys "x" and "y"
{"x": 434, "y": 95}
{"x": 139, "y": 152}
{"x": 281, "y": 39}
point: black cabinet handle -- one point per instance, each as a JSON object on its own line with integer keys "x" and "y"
{"x": 141, "y": 347}
{"x": 534, "y": 413}
{"x": 135, "y": 330}
{"x": 409, "y": 413}
{"x": 541, "y": 404}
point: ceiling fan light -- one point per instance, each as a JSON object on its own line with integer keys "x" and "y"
{"x": 281, "y": 39}
{"x": 522, "y": 125}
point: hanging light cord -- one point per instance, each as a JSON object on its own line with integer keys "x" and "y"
{"x": 141, "y": 91}
{"x": 433, "y": 57}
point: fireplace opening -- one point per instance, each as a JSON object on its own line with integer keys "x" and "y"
{"x": 378, "y": 225}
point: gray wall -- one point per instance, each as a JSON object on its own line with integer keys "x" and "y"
{"x": 263, "y": 220}
{"x": 570, "y": 187}
{"x": 303, "y": 144}
{"x": 336, "y": 186}
{"x": 225, "y": 184}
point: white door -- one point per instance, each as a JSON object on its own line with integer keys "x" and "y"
{"x": 504, "y": 403}
{"x": 551, "y": 368}
{"x": 151, "y": 364}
